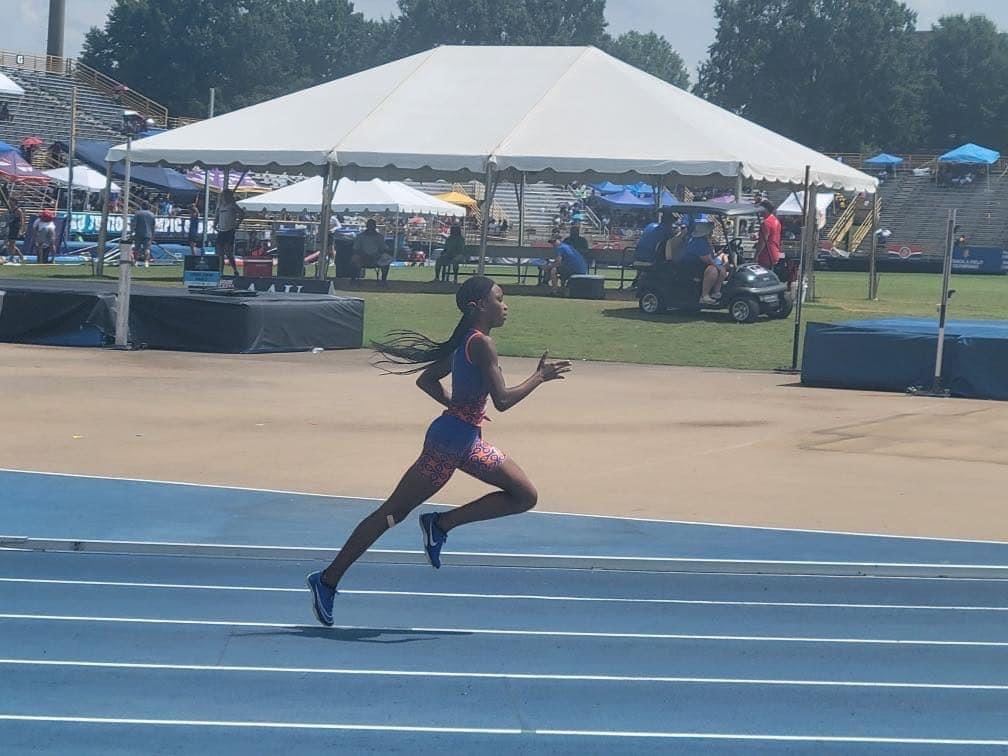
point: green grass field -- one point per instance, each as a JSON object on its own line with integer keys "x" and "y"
{"x": 615, "y": 330}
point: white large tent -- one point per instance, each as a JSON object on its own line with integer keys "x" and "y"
{"x": 9, "y": 87}
{"x": 375, "y": 196}
{"x": 537, "y": 118}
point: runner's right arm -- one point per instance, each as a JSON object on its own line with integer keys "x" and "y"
{"x": 484, "y": 355}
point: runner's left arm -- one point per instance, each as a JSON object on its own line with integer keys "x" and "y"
{"x": 430, "y": 380}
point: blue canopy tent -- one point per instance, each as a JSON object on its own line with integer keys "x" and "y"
{"x": 167, "y": 180}
{"x": 608, "y": 187}
{"x": 883, "y": 160}
{"x": 642, "y": 188}
{"x": 971, "y": 154}
{"x": 627, "y": 200}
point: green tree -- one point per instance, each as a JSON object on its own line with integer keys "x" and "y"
{"x": 175, "y": 50}
{"x": 423, "y": 24}
{"x": 831, "y": 74}
{"x": 967, "y": 81}
{"x": 652, "y": 53}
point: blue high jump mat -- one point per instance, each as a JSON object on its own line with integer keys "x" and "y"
{"x": 894, "y": 354}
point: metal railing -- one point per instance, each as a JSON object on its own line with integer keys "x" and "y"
{"x": 843, "y": 223}
{"x": 866, "y": 226}
{"x": 130, "y": 99}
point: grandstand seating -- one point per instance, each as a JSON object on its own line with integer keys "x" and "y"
{"x": 915, "y": 210}
{"x": 44, "y": 110}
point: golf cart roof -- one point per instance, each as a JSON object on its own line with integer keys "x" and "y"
{"x": 729, "y": 209}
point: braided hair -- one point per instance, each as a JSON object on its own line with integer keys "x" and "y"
{"x": 404, "y": 347}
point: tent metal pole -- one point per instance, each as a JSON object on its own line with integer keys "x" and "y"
{"x": 521, "y": 211}
{"x": 738, "y": 184}
{"x": 873, "y": 257}
{"x": 206, "y": 185}
{"x": 125, "y": 263}
{"x": 321, "y": 267}
{"x": 796, "y": 338}
{"x": 103, "y": 228}
{"x": 70, "y": 162}
{"x": 936, "y": 387}
{"x": 488, "y": 193}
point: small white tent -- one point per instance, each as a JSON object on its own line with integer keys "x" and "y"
{"x": 795, "y": 203}
{"x": 84, "y": 179}
{"x": 375, "y": 196}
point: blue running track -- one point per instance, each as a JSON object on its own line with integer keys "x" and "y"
{"x": 122, "y": 633}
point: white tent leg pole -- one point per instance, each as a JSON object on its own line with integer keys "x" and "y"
{"x": 488, "y": 193}
{"x": 70, "y": 164}
{"x": 936, "y": 387}
{"x": 873, "y": 256}
{"x": 521, "y": 211}
{"x": 798, "y": 293}
{"x": 738, "y": 185}
{"x": 206, "y": 187}
{"x": 125, "y": 263}
{"x": 103, "y": 228}
{"x": 321, "y": 267}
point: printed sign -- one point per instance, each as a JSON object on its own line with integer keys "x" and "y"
{"x": 201, "y": 271}
{"x": 88, "y": 224}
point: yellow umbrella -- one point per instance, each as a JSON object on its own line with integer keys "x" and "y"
{"x": 458, "y": 198}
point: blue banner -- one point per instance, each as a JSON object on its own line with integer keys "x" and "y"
{"x": 969, "y": 259}
{"x": 88, "y": 224}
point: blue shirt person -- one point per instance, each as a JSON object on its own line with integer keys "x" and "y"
{"x": 568, "y": 262}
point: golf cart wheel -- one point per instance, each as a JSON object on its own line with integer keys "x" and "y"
{"x": 786, "y": 305}
{"x": 744, "y": 310}
{"x": 651, "y": 302}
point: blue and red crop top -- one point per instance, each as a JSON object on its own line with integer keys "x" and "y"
{"x": 469, "y": 390}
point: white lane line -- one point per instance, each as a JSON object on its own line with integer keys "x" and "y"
{"x": 350, "y": 672}
{"x": 772, "y": 738}
{"x": 659, "y": 564}
{"x": 499, "y": 731}
{"x": 261, "y": 725}
{"x": 511, "y": 596}
{"x": 536, "y": 513}
{"x": 498, "y": 631}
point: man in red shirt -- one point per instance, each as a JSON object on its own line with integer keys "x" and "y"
{"x": 768, "y": 250}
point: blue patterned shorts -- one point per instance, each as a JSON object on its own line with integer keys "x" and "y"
{"x": 452, "y": 444}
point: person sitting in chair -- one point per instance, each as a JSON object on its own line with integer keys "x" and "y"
{"x": 700, "y": 250}
{"x": 568, "y": 262}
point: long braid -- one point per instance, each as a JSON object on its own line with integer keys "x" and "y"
{"x": 405, "y": 347}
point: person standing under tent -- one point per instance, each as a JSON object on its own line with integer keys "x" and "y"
{"x": 45, "y": 236}
{"x": 143, "y": 234}
{"x": 768, "y": 247}
{"x": 228, "y": 219}
{"x": 15, "y": 224}
{"x": 454, "y": 441}
{"x": 193, "y": 231}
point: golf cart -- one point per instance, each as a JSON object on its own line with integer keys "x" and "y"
{"x": 749, "y": 291}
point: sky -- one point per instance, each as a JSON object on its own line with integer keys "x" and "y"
{"x": 687, "y": 24}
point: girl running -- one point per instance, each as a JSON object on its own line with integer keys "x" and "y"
{"x": 454, "y": 440}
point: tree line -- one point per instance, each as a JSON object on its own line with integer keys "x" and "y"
{"x": 837, "y": 75}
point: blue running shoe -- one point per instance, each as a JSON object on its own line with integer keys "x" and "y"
{"x": 433, "y": 538}
{"x": 322, "y": 598}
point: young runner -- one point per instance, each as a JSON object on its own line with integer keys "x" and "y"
{"x": 454, "y": 440}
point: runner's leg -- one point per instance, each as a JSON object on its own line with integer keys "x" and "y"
{"x": 517, "y": 494}
{"x": 414, "y": 489}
